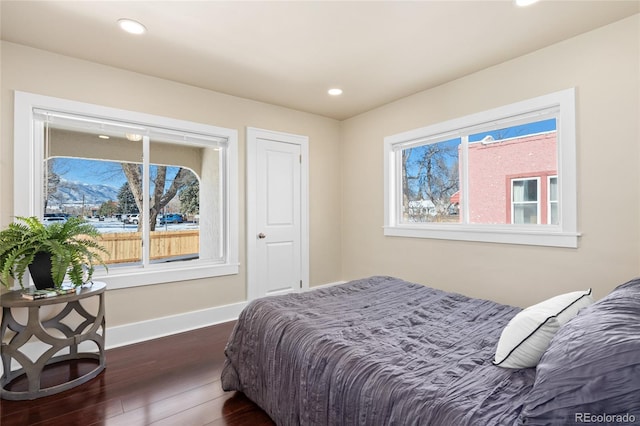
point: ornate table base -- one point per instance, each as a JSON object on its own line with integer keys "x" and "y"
{"x": 92, "y": 328}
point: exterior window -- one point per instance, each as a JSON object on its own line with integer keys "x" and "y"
{"x": 160, "y": 191}
{"x": 525, "y": 206}
{"x": 553, "y": 200}
{"x": 487, "y": 177}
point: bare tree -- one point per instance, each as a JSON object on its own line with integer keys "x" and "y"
{"x": 159, "y": 197}
{"x": 430, "y": 172}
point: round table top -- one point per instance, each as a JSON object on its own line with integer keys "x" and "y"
{"x": 14, "y": 299}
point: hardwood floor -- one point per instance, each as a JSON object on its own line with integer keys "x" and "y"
{"x": 170, "y": 381}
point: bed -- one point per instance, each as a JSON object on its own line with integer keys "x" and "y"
{"x": 382, "y": 351}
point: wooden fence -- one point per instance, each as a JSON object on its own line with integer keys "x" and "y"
{"x": 127, "y": 247}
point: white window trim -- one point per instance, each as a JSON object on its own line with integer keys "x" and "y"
{"x": 563, "y": 235}
{"x": 28, "y": 160}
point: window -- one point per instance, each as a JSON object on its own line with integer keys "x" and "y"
{"x": 534, "y": 200}
{"x": 552, "y": 205}
{"x": 525, "y": 205}
{"x": 504, "y": 175}
{"x": 162, "y": 192}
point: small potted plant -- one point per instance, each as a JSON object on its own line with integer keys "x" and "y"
{"x": 50, "y": 252}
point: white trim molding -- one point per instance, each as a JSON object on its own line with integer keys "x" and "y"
{"x": 137, "y": 332}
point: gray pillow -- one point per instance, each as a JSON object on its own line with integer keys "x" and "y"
{"x": 591, "y": 370}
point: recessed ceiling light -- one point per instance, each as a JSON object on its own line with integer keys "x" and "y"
{"x": 525, "y": 2}
{"x": 131, "y": 26}
{"x": 335, "y": 92}
{"x": 103, "y": 136}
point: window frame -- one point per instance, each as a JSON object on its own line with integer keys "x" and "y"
{"x": 564, "y": 234}
{"x": 28, "y": 174}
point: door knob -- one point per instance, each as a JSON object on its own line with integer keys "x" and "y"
{"x": 261, "y": 235}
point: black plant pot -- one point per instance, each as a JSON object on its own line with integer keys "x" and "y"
{"x": 40, "y": 270}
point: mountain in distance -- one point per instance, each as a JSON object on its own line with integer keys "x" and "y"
{"x": 78, "y": 193}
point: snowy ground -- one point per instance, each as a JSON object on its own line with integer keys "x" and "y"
{"x": 111, "y": 225}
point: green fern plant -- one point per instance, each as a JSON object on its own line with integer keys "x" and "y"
{"x": 71, "y": 245}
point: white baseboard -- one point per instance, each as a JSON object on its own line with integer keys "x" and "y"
{"x": 159, "y": 327}
{"x": 144, "y": 330}
{"x": 128, "y": 334}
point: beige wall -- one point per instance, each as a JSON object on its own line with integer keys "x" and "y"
{"x": 346, "y": 207}
{"x": 603, "y": 65}
{"x": 30, "y": 70}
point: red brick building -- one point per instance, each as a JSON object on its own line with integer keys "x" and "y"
{"x": 513, "y": 180}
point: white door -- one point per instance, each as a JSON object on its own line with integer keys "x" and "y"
{"x": 277, "y": 213}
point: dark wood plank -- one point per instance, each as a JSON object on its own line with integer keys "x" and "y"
{"x": 172, "y": 380}
{"x": 239, "y": 410}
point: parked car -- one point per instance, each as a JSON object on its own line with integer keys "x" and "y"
{"x": 131, "y": 218}
{"x": 48, "y": 220}
{"x": 172, "y": 218}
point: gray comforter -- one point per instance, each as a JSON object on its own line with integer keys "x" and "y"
{"x": 378, "y": 351}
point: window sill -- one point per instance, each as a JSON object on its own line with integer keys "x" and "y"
{"x": 118, "y": 278}
{"x": 488, "y": 234}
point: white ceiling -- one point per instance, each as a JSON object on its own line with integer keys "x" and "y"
{"x": 290, "y": 53}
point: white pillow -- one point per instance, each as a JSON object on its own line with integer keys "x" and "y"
{"x": 528, "y": 334}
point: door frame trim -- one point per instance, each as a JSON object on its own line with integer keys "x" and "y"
{"x": 253, "y": 135}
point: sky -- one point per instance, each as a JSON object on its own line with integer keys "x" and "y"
{"x": 92, "y": 172}
{"x": 96, "y": 172}
{"x": 515, "y": 131}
